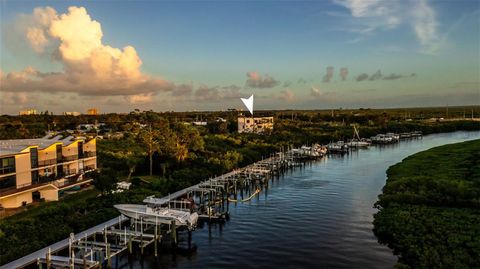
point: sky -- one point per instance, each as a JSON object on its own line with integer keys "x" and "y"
{"x": 204, "y": 55}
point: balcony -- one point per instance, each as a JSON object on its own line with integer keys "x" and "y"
{"x": 49, "y": 178}
{"x": 69, "y": 158}
{"x": 68, "y": 173}
{"x": 47, "y": 162}
{"x": 88, "y": 154}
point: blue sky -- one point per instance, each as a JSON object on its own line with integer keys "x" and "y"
{"x": 427, "y": 53}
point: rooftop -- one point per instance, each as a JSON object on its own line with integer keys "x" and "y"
{"x": 13, "y": 146}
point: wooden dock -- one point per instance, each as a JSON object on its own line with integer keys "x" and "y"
{"x": 97, "y": 246}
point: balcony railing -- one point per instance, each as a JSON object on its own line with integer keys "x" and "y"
{"x": 69, "y": 158}
{"x": 47, "y": 162}
{"x": 51, "y": 177}
{"x": 70, "y": 172}
{"x": 89, "y": 167}
{"x": 88, "y": 154}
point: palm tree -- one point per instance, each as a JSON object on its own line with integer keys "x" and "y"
{"x": 150, "y": 138}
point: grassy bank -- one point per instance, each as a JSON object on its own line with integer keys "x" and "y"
{"x": 429, "y": 211}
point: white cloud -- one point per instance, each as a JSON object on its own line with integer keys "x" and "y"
{"x": 90, "y": 67}
{"x": 425, "y": 25}
{"x": 374, "y": 15}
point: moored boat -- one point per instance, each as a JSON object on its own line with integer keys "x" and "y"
{"x": 159, "y": 215}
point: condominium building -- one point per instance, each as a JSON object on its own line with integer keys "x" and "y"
{"x": 28, "y": 112}
{"x": 71, "y": 113}
{"x": 37, "y": 169}
{"x": 255, "y": 124}
{"x": 92, "y": 111}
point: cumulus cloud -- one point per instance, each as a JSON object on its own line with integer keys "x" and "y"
{"x": 362, "y": 77}
{"x": 376, "y": 76}
{"x": 319, "y": 94}
{"x": 209, "y": 94}
{"x": 183, "y": 90}
{"x": 89, "y": 66}
{"x": 287, "y": 95}
{"x": 379, "y": 14}
{"x": 344, "y": 73}
{"x": 255, "y": 80}
{"x": 144, "y": 98}
{"x": 14, "y": 98}
{"x": 328, "y": 76}
{"x": 315, "y": 92}
{"x": 392, "y": 76}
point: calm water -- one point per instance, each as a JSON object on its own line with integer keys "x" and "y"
{"x": 319, "y": 216}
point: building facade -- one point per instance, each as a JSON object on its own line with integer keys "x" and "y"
{"x": 71, "y": 113}
{"x": 92, "y": 111}
{"x": 37, "y": 169}
{"x": 255, "y": 124}
{"x": 28, "y": 112}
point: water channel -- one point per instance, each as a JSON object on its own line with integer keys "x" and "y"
{"x": 317, "y": 216}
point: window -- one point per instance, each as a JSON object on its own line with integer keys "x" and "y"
{"x": 80, "y": 149}
{"x": 7, "y": 165}
{"x": 59, "y": 153}
{"x": 35, "y": 177}
{"x": 8, "y": 182}
{"x": 34, "y": 157}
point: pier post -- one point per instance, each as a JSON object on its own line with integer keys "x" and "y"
{"x": 155, "y": 239}
{"x": 48, "y": 262}
{"x": 105, "y": 234}
{"x": 173, "y": 233}
{"x": 130, "y": 244}
{"x": 189, "y": 240}
{"x": 109, "y": 258}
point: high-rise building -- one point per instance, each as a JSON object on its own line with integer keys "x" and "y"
{"x": 37, "y": 169}
{"x": 30, "y": 111}
{"x": 92, "y": 111}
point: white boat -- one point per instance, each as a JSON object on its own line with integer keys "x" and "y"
{"x": 337, "y": 147}
{"x": 158, "y": 215}
{"x": 356, "y": 141}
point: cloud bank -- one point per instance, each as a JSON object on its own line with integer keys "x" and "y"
{"x": 89, "y": 67}
{"x": 255, "y": 80}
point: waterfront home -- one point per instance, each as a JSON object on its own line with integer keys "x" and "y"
{"x": 37, "y": 169}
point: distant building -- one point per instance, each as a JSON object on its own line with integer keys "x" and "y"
{"x": 71, "y": 113}
{"x": 199, "y": 123}
{"x": 37, "y": 169}
{"x": 255, "y": 124}
{"x": 28, "y": 112}
{"x": 92, "y": 111}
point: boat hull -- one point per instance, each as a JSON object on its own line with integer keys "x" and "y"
{"x": 158, "y": 215}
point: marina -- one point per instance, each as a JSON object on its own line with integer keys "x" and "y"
{"x": 210, "y": 201}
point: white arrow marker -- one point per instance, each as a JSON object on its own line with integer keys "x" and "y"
{"x": 248, "y": 102}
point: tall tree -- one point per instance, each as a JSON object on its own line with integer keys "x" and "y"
{"x": 150, "y": 138}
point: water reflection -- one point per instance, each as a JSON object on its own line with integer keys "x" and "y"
{"x": 318, "y": 216}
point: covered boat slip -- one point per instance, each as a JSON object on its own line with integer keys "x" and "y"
{"x": 149, "y": 223}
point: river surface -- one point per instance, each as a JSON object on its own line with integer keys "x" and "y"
{"x": 318, "y": 216}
